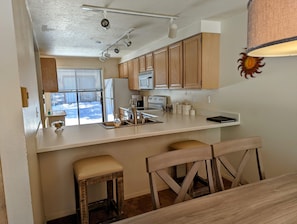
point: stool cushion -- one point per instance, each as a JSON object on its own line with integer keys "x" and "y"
{"x": 188, "y": 144}
{"x": 96, "y": 166}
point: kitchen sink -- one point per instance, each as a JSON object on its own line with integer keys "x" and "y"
{"x": 129, "y": 123}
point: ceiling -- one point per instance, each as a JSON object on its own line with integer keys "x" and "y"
{"x": 63, "y": 28}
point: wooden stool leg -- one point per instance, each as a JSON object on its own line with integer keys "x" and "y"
{"x": 77, "y": 204}
{"x": 110, "y": 197}
{"x": 84, "y": 212}
{"x": 109, "y": 185}
{"x": 120, "y": 194}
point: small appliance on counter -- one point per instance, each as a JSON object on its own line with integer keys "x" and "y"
{"x": 136, "y": 100}
{"x": 155, "y": 103}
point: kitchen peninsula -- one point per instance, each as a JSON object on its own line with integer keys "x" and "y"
{"x": 129, "y": 145}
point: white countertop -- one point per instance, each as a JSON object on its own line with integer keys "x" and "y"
{"x": 92, "y": 134}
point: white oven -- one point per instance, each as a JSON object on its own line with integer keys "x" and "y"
{"x": 146, "y": 80}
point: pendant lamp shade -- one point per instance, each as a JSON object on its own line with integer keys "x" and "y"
{"x": 272, "y": 28}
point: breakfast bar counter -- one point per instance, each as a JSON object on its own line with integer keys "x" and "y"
{"x": 92, "y": 134}
{"x": 128, "y": 145}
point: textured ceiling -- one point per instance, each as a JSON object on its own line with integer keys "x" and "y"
{"x": 63, "y": 28}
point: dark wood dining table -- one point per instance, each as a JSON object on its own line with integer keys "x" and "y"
{"x": 271, "y": 201}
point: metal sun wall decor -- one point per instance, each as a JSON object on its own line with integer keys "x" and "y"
{"x": 249, "y": 66}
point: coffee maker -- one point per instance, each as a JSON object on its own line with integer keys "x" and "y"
{"x": 137, "y": 100}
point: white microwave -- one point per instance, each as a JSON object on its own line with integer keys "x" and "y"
{"x": 146, "y": 80}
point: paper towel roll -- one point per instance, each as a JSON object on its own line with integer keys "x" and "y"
{"x": 145, "y": 101}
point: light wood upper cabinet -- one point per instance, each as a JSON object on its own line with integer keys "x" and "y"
{"x": 149, "y": 62}
{"x": 161, "y": 68}
{"x": 133, "y": 68}
{"x": 210, "y": 60}
{"x": 192, "y": 62}
{"x": 201, "y": 61}
{"x": 123, "y": 70}
{"x": 142, "y": 64}
{"x": 146, "y": 62}
{"x": 49, "y": 74}
{"x": 175, "y": 69}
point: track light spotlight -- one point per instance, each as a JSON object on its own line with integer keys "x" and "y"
{"x": 116, "y": 50}
{"x": 106, "y": 55}
{"x": 128, "y": 43}
{"x": 172, "y": 29}
{"x": 105, "y": 22}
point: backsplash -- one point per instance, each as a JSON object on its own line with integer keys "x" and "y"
{"x": 197, "y": 98}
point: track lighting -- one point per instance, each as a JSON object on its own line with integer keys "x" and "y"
{"x": 127, "y": 41}
{"x": 172, "y": 29}
{"x": 106, "y": 55}
{"x": 105, "y": 22}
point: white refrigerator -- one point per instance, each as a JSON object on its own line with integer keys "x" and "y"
{"x": 116, "y": 94}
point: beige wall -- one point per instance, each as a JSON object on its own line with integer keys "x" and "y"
{"x": 109, "y": 67}
{"x": 266, "y": 103}
{"x": 17, "y": 142}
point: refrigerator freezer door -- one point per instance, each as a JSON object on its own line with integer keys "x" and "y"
{"x": 109, "y": 88}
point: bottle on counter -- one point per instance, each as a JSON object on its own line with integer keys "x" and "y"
{"x": 186, "y": 109}
{"x": 192, "y": 112}
{"x": 117, "y": 121}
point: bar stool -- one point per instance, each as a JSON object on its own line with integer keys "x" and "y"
{"x": 188, "y": 144}
{"x": 94, "y": 170}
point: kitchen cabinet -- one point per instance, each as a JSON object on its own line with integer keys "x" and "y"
{"x": 123, "y": 70}
{"x": 160, "y": 60}
{"x": 201, "y": 61}
{"x": 175, "y": 67}
{"x": 149, "y": 63}
{"x": 49, "y": 74}
{"x": 133, "y": 68}
{"x": 146, "y": 62}
{"x": 142, "y": 64}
